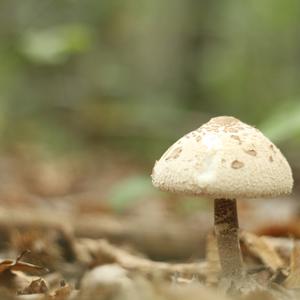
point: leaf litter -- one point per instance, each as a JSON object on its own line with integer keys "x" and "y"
{"x": 85, "y": 250}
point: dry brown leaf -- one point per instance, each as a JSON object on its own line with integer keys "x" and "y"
{"x": 17, "y": 265}
{"x": 283, "y": 246}
{"x": 37, "y": 286}
{"x": 12, "y": 276}
{"x": 14, "y": 281}
{"x": 293, "y": 279}
{"x": 262, "y": 249}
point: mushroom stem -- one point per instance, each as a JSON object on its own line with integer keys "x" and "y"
{"x": 227, "y": 234}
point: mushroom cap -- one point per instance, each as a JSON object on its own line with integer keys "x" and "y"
{"x": 224, "y": 158}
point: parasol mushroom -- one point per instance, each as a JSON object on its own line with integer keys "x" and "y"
{"x": 225, "y": 159}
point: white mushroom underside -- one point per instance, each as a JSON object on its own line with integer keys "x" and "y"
{"x": 224, "y": 158}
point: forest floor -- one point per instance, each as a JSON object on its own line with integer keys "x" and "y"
{"x": 70, "y": 231}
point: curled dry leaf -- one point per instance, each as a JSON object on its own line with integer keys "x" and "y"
{"x": 293, "y": 279}
{"x": 20, "y": 266}
{"x": 12, "y": 273}
{"x": 262, "y": 249}
{"x": 283, "y": 246}
{"x": 37, "y": 286}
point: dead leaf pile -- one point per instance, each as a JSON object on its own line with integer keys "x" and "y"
{"x": 106, "y": 271}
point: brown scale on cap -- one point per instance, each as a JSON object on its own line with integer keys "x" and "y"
{"x": 272, "y": 148}
{"x": 174, "y": 154}
{"x": 251, "y": 152}
{"x": 227, "y": 124}
{"x": 237, "y": 138}
{"x": 237, "y": 164}
{"x": 225, "y": 121}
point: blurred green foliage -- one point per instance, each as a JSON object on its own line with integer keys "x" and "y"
{"x": 129, "y": 191}
{"x": 135, "y": 75}
{"x": 55, "y": 45}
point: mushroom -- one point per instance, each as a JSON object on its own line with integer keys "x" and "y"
{"x": 225, "y": 159}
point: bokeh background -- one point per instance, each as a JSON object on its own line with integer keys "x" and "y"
{"x": 92, "y": 92}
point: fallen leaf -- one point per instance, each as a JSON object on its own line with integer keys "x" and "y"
{"x": 17, "y": 265}
{"x": 260, "y": 248}
{"x": 293, "y": 279}
{"x": 12, "y": 273}
{"x": 37, "y": 286}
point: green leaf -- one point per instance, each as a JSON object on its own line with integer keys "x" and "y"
{"x": 55, "y": 45}
{"x": 130, "y": 191}
{"x": 283, "y": 124}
